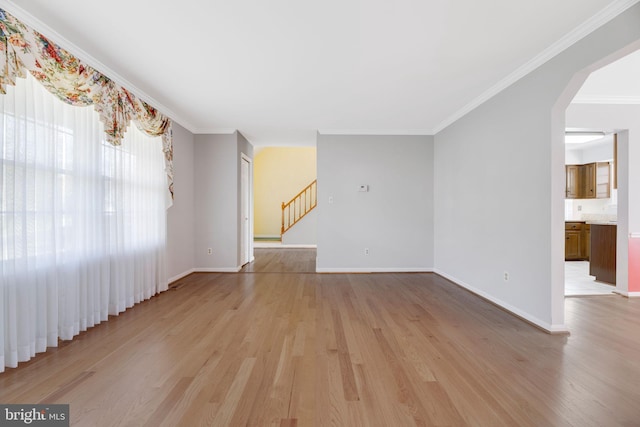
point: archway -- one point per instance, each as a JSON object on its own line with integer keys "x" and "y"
{"x": 628, "y": 184}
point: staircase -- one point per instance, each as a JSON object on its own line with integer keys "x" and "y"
{"x": 295, "y": 209}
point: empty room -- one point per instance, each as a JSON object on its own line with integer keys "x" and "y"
{"x": 312, "y": 214}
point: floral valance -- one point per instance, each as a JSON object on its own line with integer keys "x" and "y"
{"x": 24, "y": 49}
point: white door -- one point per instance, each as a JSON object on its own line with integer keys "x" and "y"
{"x": 245, "y": 204}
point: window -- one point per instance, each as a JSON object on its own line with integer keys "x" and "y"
{"x": 82, "y": 222}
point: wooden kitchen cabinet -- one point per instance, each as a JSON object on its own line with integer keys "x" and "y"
{"x": 589, "y": 181}
{"x": 573, "y": 181}
{"x": 572, "y": 245}
{"x": 573, "y": 241}
{"x": 577, "y": 241}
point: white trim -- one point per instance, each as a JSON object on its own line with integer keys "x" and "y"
{"x": 634, "y": 235}
{"x": 266, "y": 245}
{"x": 627, "y": 294}
{"x": 581, "y": 31}
{"x": 621, "y": 99}
{"x": 215, "y": 131}
{"x": 278, "y": 245}
{"x": 551, "y": 328}
{"x": 181, "y": 275}
{"x": 218, "y": 270}
{"x": 50, "y": 33}
{"x": 266, "y": 236}
{"x": 249, "y": 237}
{"x": 375, "y": 270}
{"x": 386, "y": 132}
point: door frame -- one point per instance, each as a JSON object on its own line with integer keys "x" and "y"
{"x": 246, "y": 211}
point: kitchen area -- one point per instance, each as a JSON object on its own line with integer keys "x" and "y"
{"x": 590, "y": 212}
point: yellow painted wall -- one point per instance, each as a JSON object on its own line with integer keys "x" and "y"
{"x": 279, "y": 173}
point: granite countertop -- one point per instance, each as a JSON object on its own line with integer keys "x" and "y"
{"x": 596, "y": 219}
{"x": 593, "y": 221}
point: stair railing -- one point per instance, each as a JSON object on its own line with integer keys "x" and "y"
{"x": 295, "y": 209}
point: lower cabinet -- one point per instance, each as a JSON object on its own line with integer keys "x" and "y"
{"x": 576, "y": 241}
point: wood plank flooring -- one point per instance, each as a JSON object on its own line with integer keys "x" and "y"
{"x": 291, "y": 348}
{"x": 282, "y": 260}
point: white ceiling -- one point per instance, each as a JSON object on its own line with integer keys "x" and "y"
{"x": 280, "y": 70}
{"x": 617, "y": 83}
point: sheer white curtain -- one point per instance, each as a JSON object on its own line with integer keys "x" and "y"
{"x": 82, "y": 222}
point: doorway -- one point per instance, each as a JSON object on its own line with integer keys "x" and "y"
{"x": 607, "y": 111}
{"x": 282, "y": 260}
{"x": 246, "y": 240}
{"x": 590, "y": 201}
{"x": 609, "y": 100}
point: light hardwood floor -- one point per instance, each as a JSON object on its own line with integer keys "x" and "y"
{"x": 265, "y": 348}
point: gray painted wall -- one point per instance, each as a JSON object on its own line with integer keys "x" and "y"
{"x": 216, "y": 204}
{"x": 180, "y": 216}
{"x": 394, "y": 219}
{"x": 205, "y": 211}
{"x": 499, "y": 203}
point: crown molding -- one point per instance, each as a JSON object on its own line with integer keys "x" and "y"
{"x": 384, "y": 132}
{"x": 581, "y": 31}
{"x": 215, "y": 131}
{"x": 63, "y": 42}
{"x": 593, "y": 99}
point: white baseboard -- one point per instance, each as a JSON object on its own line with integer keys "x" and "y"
{"x": 181, "y": 275}
{"x": 218, "y": 270}
{"x": 628, "y": 294}
{"x": 551, "y": 328}
{"x": 375, "y": 270}
{"x": 278, "y": 245}
{"x": 204, "y": 270}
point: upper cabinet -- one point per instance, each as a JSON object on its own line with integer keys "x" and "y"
{"x": 573, "y": 181}
{"x": 590, "y": 181}
{"x": 603, "y": 180}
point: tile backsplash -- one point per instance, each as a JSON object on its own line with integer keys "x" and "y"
{"x": 591, "y": 209}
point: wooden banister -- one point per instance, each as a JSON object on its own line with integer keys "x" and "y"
{"x": 296, "y": 208}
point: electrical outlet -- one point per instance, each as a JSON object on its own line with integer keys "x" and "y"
{"x": 209, "y": 251}
{"x": 506, "y": 276}
{"x": 366, "y": 251}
